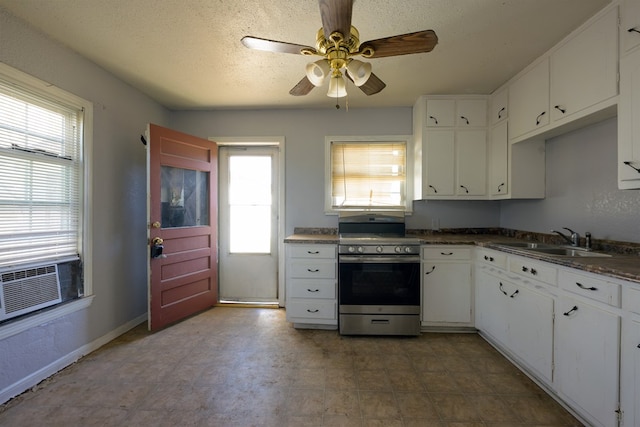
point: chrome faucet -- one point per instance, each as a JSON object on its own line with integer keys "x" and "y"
{"x": 574, "y": 240}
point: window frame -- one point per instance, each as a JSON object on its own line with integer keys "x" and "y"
{"x": 373, "y": 139}
{"x": 36, "y": 86}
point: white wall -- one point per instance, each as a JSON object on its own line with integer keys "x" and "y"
{"x": 119, "y": 201}
{"x": 581, "y": 189}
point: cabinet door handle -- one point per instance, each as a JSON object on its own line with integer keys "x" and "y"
{"x": 638, "y": 345}
{"x": 430, "y": 271}
{"x": 525, "y": 269}
{"x": 500, "y": 187}
{"x": 515, "y": 293}
{"x": 313, "y": 270}
{"x": 500, "y": 112}
{"x": 465, "y": 119}
{"x": 502, "y": 290}
{"x": 581, "y": 286}
{"x": 434, "y": 119}
{"x": 434, "y": 188}
{"x": 313, "y": 290}
{"x": 633, "y": 30}
{"x": 559, "y": 108}
{"x": 568, "y": 313}
{"x": 534, "y": 271}
{"x": 313, "y": 311}
{"x": 632, "y": 167}
{"x": 465, "y": 189}
{"x": 539, "y": 117}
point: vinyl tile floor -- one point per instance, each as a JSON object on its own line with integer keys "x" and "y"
{"x": 245, "y": 367}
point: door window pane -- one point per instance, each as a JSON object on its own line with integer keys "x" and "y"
{"x": 250, "y": 204}
{"x": 184, "y": 196}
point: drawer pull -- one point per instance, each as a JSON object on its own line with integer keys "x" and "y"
{"x": 525, "y": 269}
{"x": 581, "y": 286}
{"x": 534, "y": 271}
{"x": 313, "y": 252}
{"x": 488, "y": 258}
{"x": 431, "y": 271}
{"x": 515, "y": 293}
{"x": 529, "y": 270}
{"x": 638, "y": 345}
{"x": 502, "y": 290}
{"x": 313, "y": 270}
{"x": 446, "y": 253}
{"x": 380, "y": 321}
{"x": 313, "y": 290}
{"x": 568, "y": 313}
{"x": 313, "y": 311}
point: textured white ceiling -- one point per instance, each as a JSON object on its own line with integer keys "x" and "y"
{"x": 186, "y": 54}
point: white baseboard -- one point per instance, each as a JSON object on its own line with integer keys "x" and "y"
{"x": 66, "y": 360}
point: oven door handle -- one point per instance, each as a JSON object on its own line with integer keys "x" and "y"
{"x": 395, "y": 259}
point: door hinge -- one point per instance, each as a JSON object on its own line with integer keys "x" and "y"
{"x": 619, "y": 414}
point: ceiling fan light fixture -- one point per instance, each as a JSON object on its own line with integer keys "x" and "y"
{"x": 337, "y": 86}
{"x": 318, "y": 71}
{"x": 359, "y": 71}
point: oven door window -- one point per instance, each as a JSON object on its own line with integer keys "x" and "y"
{"x": 379, "y": 283}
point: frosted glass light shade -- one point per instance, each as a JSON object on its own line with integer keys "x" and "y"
{"x": 318, "y": 71}
{"x": 337, "y": 87}
{"x": 359, "y": 71}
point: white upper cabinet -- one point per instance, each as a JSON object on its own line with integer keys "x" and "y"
{"x": 499, "y": 161}
{"x": 441, "y": 113}
{"x": 471, "y": 167}
{"x": 630, "y": 25}
{"x": 584, "y": 70}
{"x": 471, "y": 113}
{"x": 529, "y": 101}
{"x": 499, "y": 106}
{"x": 628, "y": 123}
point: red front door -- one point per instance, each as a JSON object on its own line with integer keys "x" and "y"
{"x": 182, "y": 221}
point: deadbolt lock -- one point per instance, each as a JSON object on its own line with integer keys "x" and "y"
{"x": 156, "y": 224}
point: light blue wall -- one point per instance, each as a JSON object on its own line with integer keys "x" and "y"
{"x": 581, "y": 189}
{"x": 121, "y": 114}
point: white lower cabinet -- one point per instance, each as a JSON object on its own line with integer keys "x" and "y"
{"x": 518, "y": 316}
{"x": 587, "y": 359}
{"x": 447, "y": 289}
{"x": 630, "y": 357}
{"x": 311, "y": 285}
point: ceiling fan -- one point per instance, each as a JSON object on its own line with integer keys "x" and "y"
{"x": 337, "y": 42}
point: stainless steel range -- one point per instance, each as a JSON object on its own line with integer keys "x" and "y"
{"x": 378, "y": 276}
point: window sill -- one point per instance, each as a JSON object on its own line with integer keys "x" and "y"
{"x": 19, "y": 326}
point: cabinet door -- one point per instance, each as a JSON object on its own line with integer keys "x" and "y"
{"x": 471, "y": 113}
{"x": 584, "y": 71}
{"x": 628, "y": 124}
{"x": 439, "y": 163}
{"x": 446, "y": 296}
{"x": 530, "y": 333}
{"x": 498, "y": 161}
{"x": 471, "y": 146}
{"x": 587, "y": 358}
{"x": 491, "y": 305}
{"x": 630, "y": 370}
{"x": 630, "y": 25}
{"x": 499, "y": 110}
{"x": 441, "y": 112}
{"x": 529, "y": 101}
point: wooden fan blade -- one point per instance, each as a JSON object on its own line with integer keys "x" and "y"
{"x": 373, "y": 85}
{"x": 274, "y": 46}
{"x": 336, "y": 16}
{"x": 303, "y": 87}
{"x": 404, "y": 44}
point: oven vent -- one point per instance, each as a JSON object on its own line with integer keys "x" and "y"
{"x": 27, "y": 290}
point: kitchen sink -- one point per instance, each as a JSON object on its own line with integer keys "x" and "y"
{"x": 568, "y": 252}
{"x": 526, "y": 245}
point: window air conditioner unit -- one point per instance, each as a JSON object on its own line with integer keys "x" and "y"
{"x": 27, "y": 290}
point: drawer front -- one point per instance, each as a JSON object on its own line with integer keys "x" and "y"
{"x": 534, "y": 270}
{"x": 631, "y": 300}
{"x": 312, "y": 288}
{"x": 590, "y": 287}
{"x": 312, "y": 251}
{"x": 325, "y": 310}
{"x": 313, "y": 269}
{"x": 498, "y": 259}
{"x": 443, "y": 253}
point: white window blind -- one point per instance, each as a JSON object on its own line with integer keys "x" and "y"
{"x": 40, "y": 176}
{"x": 368, "y": 174}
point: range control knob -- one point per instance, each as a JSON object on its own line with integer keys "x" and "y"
{"x": 398, "y": 249}
{"x": 360, "y": 249}
{"x": 408, "y": 249}
{"x": 379, "y": 249}
{"x": 351, "y": 249}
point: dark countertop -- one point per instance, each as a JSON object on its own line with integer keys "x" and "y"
{"x": 619, "y": 266}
